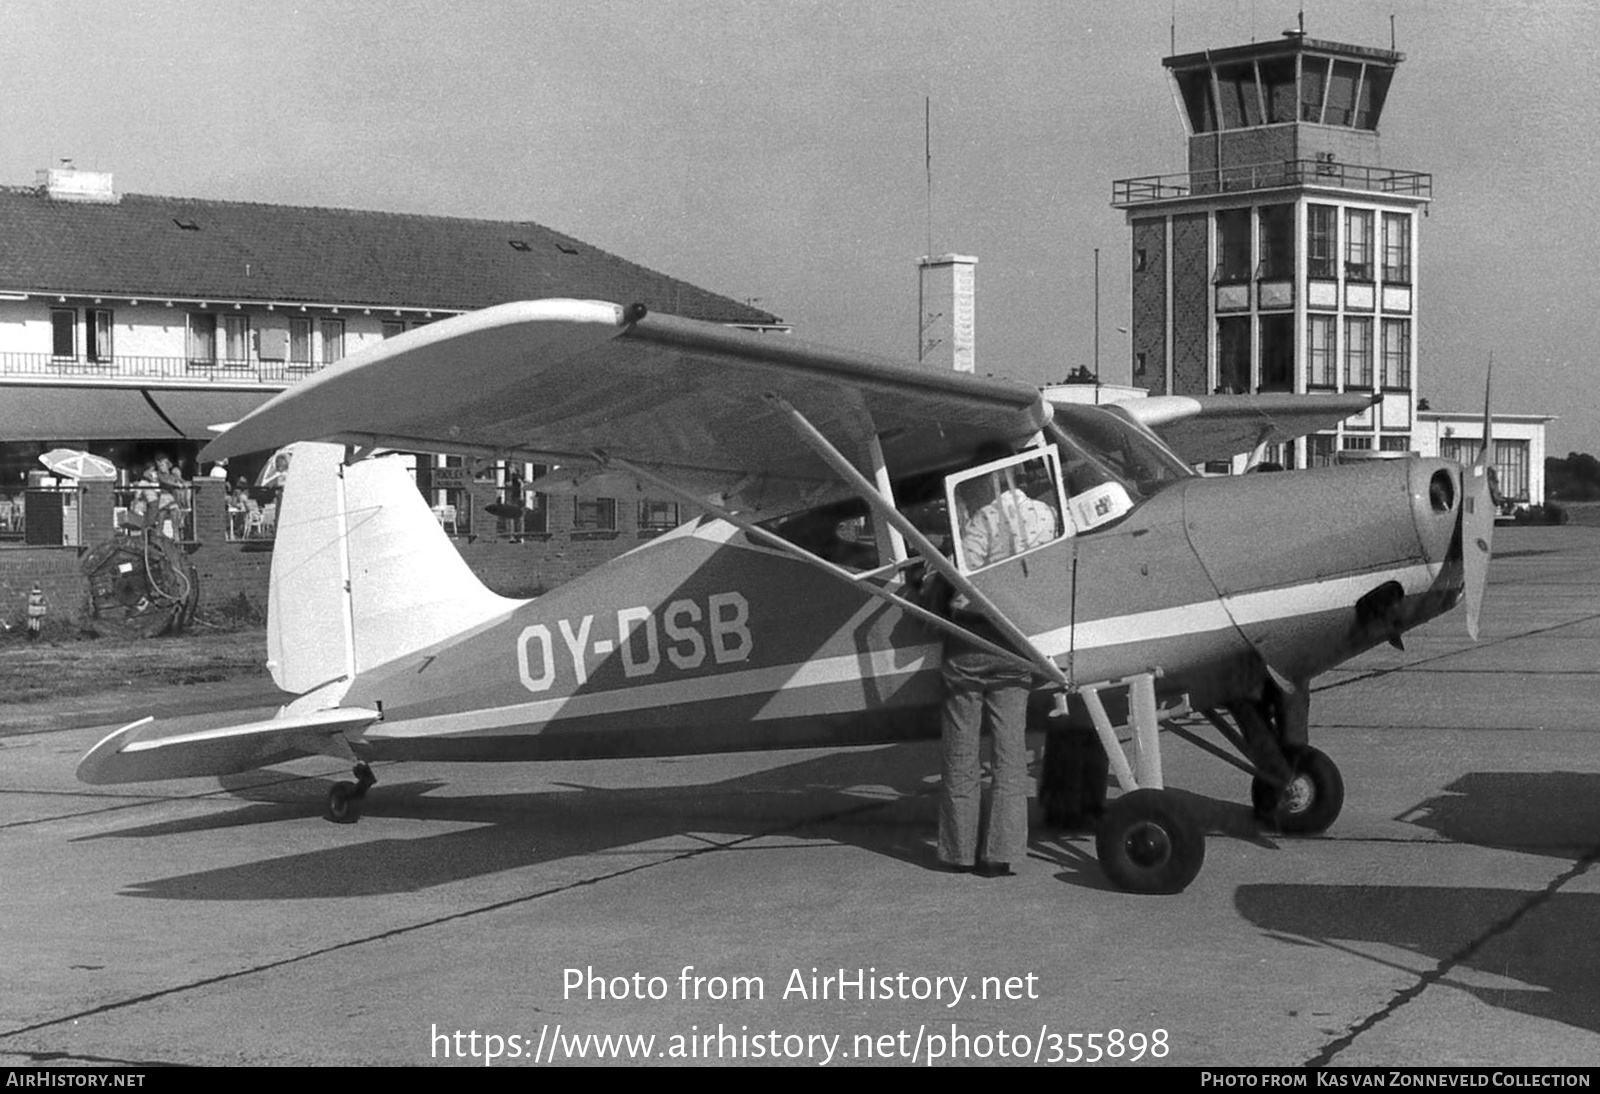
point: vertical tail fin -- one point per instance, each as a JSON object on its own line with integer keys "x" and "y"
{"x": 361, "y": 572}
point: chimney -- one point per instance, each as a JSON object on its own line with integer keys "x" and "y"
{"x": 948, "y": 313}
{"x": 71, "y": 184}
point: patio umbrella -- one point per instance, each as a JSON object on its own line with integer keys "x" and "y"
{"x": 69, "y": 463}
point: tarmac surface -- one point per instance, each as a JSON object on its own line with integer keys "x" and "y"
{"x": 1450, "y": 916}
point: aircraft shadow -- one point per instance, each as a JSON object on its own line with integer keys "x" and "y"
{"x": 817, "y": 798}
{"x": 517, "y": 829}
{"x": 1527, "y": 952}
{"x": 1550, "y": 812}
{"x": 1547, "y": 967}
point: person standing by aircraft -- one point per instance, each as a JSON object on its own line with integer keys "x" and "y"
{"x": 983, "y": 688}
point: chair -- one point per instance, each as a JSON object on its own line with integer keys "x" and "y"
{"x": 254, "y": 523}
{"x": 447, "y": 519}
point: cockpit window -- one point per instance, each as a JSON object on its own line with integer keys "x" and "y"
{"x": 1005, "y": 508}
{"x": 1100, "y": 446}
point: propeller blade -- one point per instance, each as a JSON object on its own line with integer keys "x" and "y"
{"x": 1477, "y": 516}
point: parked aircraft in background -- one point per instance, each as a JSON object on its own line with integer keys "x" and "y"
{"x": 789, "y": 614}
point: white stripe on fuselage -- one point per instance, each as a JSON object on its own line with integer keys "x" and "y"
{"x": 1200, "y": 617}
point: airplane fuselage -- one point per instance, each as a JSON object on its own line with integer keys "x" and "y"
{"x": 705, "y": 641}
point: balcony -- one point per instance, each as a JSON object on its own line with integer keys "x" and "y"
{"x": 1126, "y": 193}
{"x": 217, "y": 373}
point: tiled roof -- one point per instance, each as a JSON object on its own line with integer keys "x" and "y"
{"x": 305, "y": 255}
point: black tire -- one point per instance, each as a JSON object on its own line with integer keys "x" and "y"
{"x": 1312, "y": 800}
{"x": 344, "y": 803}
{"x": 1148, "y": 843}
{"x": 1072, "y": 778}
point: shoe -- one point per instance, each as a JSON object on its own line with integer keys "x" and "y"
{"x": 994, "y": 869}
{"x": 954, "y": 867}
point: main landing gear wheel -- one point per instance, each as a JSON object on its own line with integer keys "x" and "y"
{"x": 1148, "y": 843}
{"x": 345, "y": 798}
{"x": 1309, "y": 802}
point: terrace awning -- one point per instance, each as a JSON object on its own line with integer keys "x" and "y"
{"x": 47, "y": 413}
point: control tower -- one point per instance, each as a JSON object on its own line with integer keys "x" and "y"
{"x": 1285, "y": 257}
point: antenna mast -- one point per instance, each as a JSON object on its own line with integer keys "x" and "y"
{"x": 927, "y": 160}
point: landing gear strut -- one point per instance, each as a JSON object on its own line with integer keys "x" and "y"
{"x": 345, "y": 798}
{"x": 1146, "y": 839}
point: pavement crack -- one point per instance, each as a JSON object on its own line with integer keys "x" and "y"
{"x": 1442, "y": 969}
{"x": 1376, "y": 674}
{"x": 411, "y": 928}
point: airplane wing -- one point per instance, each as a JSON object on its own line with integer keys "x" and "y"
{"x": 558, "y": 380}
{"x": 138, "y": 753}
{"x": 1216, "y": 427}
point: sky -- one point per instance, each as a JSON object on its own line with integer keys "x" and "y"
{"x": 775, "y": 151}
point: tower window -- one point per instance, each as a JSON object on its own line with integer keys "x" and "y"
{"x": 1233, "y": 245}
{"x": 1320, "y": 367}
{"x": 1358, "y": 244}
{"x": 1241, "y": 101}
{"x": 1195, "y": 87}
{"x": 1397, "y": 248}
{"x": 1277, "y": 353}
{"x": 1358, "y": 352}
{"x": 1320, "y": 223}
{"x": 1397, "y": 353}
{"x": 1277, "y": 241}
{"x": 1233, "y": 355}
{"x": 1277, "y": 85}
{"x": 1313, "y": 87}
{"x": 1343, "y": 90}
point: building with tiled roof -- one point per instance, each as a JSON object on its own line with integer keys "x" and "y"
{"x": 80, "y": 240}
{"x": 132, "y": 324}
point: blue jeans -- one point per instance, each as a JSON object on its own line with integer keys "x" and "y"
{"x": 982, "y": 690}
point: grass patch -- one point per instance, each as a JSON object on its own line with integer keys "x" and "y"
{"x": 68, "y": 665}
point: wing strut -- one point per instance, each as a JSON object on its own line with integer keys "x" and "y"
{"x": 814, "y": 437}
{"x": 755, "y": 531}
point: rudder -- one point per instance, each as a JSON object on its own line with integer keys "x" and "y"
{"x": 361, "y": 572}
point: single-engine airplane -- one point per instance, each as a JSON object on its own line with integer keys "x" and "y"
{"x": 766, "y": 624}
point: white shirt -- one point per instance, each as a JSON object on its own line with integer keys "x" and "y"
{"x": 1008, "y": 525}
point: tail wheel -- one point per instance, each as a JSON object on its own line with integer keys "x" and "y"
{"x": 1148, "y": 843}
{"x": 344, "y": 803}
{"x": 1311, "y": 800}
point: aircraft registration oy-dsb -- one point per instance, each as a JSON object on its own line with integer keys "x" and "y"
{"x": 788, "y": 615}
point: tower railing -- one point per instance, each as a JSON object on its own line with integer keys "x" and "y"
{"x": 1270, "y": 176}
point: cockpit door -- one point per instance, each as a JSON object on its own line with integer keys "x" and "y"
{"x": 1012, "y": 533}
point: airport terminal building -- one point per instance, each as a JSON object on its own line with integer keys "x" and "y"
{"x": 131, "y": 324}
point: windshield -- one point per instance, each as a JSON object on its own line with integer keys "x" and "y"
{"x": 1099, "y": 445}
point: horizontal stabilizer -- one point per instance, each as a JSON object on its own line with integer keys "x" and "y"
{"x": 138, "y": 753}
